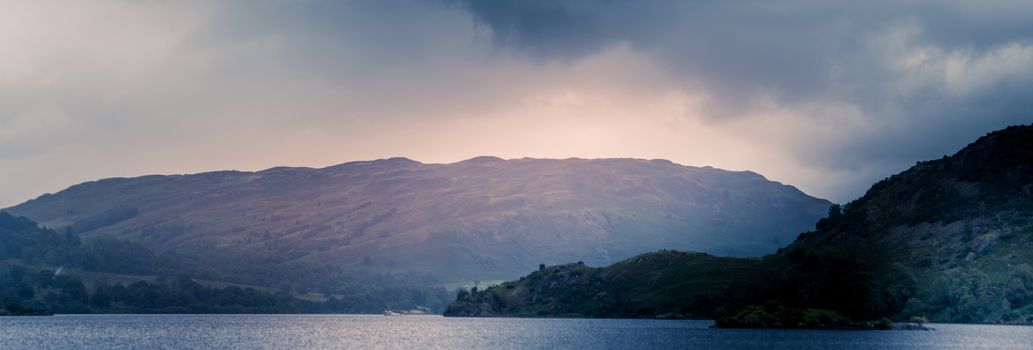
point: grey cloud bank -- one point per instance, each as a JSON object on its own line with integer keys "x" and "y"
{"x": 922, "y": 77}
{"x": 828, "y": 96}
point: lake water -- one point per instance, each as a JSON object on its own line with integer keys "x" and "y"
{"x": 435, "y": 332}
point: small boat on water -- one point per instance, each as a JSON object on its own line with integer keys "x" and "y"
{"x": 392, "y": 313}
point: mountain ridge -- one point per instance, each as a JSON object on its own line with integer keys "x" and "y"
{"x": 948, "y": 240}
{"x": 483, "y": 218}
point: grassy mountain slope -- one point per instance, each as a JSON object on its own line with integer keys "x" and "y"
{"x": 949, "y": 239}
{"x": 45, "y": 271}
{"x": 484, "y": 218}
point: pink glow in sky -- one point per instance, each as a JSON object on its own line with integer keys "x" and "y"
{"x": 826, "y": 97}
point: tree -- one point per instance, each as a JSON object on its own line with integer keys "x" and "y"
{"x": 71, "y": 238}
{"x": 44, "y": 278}
{"x": 100, "y": 299}
{"x": 1019, "y": 290}
{"x": 73, "y": 292}
{"x": 463, "y": 294}
{"x": 834, "y": 217}
{"x": 25, "y": 291}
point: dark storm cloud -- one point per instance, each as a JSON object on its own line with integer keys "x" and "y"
{"x": 829, "y": 96}
{"x": 738, "y": 45}
{"x": 929, "y": 76}
{"x": 796, "y": 49}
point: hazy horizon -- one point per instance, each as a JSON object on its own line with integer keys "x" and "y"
{"x": 827, "y": 97}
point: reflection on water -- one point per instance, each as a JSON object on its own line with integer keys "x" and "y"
{"x": 354, "y": 331}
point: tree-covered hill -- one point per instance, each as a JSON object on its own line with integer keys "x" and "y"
{"x": 672, "y": 283}
{"x": 953, "y": 236}
{"x": 43, "y": 271}
{"x": 950, "y": 240}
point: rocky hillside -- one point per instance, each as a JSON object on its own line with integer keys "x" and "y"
{"x": 949, "y": 239}
{"x": 484, "y": 218}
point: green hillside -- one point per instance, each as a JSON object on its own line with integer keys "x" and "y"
{"x": 950, "y": 240}
{"x": 664, "y": 283}
{"x": 481, "y": 219}
{"x": 43, "y": 271}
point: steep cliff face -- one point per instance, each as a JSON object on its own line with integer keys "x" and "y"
{"x": 484, "y": 218}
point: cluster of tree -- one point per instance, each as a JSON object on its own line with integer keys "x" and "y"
{"x": 22, "y": 239}
{"x": 28, "y": 291}
{"x": 970, "y": 295}
{"x": 303, "y": 276}
{"x": 28, "y": 284}
{"x": 774, "y": 315}
{"x": 855, "y": 288}
{"x": 665, "y": 283}
{"x": 676, "y": 284}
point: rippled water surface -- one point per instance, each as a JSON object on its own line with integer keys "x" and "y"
{"x": 352, "y": 331}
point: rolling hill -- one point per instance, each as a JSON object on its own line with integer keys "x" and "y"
{"x": 479, "y": 219}
{"x": 950, "y": 240}
{"x": 44, "y": 272}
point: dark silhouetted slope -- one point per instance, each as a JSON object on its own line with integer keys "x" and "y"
{"x": 949, "y": 239}
{"x": 665, "y": 283}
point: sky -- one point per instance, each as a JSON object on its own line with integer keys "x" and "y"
{"x": 827, "y": 96}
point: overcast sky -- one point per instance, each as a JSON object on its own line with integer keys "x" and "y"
{"x": 827, "y": 97}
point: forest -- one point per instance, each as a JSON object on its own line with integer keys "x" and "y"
{"x": 43, "y": 271}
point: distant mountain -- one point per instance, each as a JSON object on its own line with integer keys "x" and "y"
{"x": 44, "y": 272}
{"x": 479, "y": 219}
{"x": 949, "y": 239}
